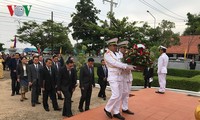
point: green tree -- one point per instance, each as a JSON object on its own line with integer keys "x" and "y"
{"x": 86, "y": 13}
{"x": 163, "y": 35}
{"x": 1, "y": 47}
{"x": 193, "y": 24}
{"x": 47, "y": 34}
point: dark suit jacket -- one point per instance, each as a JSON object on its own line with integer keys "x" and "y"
{"x": 101, "y": 74}
{"x": 48, "y": 81}
{"x": 85, "y": 76}
{"x": 20, "y": 71}
{"x": 66, "y": 81}
{"x": 192, "y": 65}
{"x": 13, "y": 66}
{"x": 43, "y": 63}
{"x": 148, "y": 73}
{"x": 32, "y": 73}
{"x": 55, "y": 67}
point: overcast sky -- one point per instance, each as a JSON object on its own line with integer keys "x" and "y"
{"x": 136, "y": 10}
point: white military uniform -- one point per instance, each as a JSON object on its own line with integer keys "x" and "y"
{"x": 127, "y": 79}
{"x": 162, "y": 71}
{"x": 115, "y": 67}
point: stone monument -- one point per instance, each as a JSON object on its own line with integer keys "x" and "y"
{"x": 12, "y": 50}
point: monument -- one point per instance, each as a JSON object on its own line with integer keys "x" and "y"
{"x": 12, "y": 50}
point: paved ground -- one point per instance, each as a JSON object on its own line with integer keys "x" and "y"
{"x": 148, "y": 105}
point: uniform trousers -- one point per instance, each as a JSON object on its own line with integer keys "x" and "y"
{"x": 125, "y": 94}
{"x": 113, "y": 104}
{"x": 162, "y": 81}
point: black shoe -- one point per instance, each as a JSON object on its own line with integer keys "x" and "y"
{"x": 12, "y": 94}
{"x": 38, "y": 103}
{"x": 18, "y": 94}
{"x": 118, "y": 116}
{"x": 60, "y": 98}
{"x": 128, "y": 112}
{"x": 47, "y": 109}
{"x": 80, "y": 110}
{"x": 104, "y": 98}
{"x": 57, "y": 109}
{"x": 33, "y": 104}
{"x": 69, "y": 115}
{"x": 131, "y": 95}
{"x": 72, "y": 101}
{"x": 87, "y": 109}
{"x": 160, "y": 92}
{"x": 108, "y": 113}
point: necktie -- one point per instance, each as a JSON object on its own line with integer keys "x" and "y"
{"x": 90, "y": 70}
{"x": 115, "y": 53}
{"x": 50, "y": 71}
{"x": 36, "y": 67}
{"x": 104, "y": 70}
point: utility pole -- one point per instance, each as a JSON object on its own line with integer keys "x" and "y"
{"x": 111, "y": 7}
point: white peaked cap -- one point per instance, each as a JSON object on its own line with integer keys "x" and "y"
{"x": 123, "y": 43}
{"x": 162, "y": 47}
{"x": 112, "y": 41}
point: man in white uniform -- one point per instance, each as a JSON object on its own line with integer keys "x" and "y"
{"x": 127, "y": 79}
{"x": 162, "y": 69}
{"x": 115, "y": 67}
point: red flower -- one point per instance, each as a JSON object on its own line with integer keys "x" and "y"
{"x": 128, "y": 60}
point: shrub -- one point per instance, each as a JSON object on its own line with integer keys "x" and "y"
{"x": 183, "y": 73}
{"x": 175, "y": 82}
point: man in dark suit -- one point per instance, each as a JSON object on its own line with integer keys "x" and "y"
{"x": 67, "y": 80}
{"x": 102, "y": 73}
{"x": 74, "y": 67}
{"x": 48, "y": 84}
{"x": 33, "y": 78}
{"x": 86, "y": 83}
{"x": 41, "y": 60}
{"x": 13, "y": 73}
{"x": 192, "y": 64}
{"x": 56, "y": 64}
{"x": 148, "y": 73}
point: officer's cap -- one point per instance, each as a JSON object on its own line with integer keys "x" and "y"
{"x": 112, "y": 41}
{"x": 162, "y": 47}
{"x": 123, "y": 44}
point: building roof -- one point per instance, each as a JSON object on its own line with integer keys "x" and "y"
{"x": 187, "y": 43}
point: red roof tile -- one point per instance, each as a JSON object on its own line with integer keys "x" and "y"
{"x": 194, "y": 41}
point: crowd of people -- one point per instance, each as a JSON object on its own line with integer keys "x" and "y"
{"x": 55, "y": 80}
{"x": 52, "y": 79}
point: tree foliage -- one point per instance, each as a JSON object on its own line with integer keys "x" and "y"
{"x": 193, "y": 24}
{"x": 86, "y": 13}
{"x": 125, "y": 30}
{"x": 165, "y": 35}
{"x": 1, "y": 47}
{"x": 47, "y": 34}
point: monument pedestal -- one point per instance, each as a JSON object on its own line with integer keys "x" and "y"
{"x": 12, "y": 51}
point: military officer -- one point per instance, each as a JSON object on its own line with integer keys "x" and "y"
{"x": 127, "y": 79}
{"x": 162, "y": 69}
{"x": 115, "y": 67}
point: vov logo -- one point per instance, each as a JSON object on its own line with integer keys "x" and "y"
{"x": 19, "y": 10}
